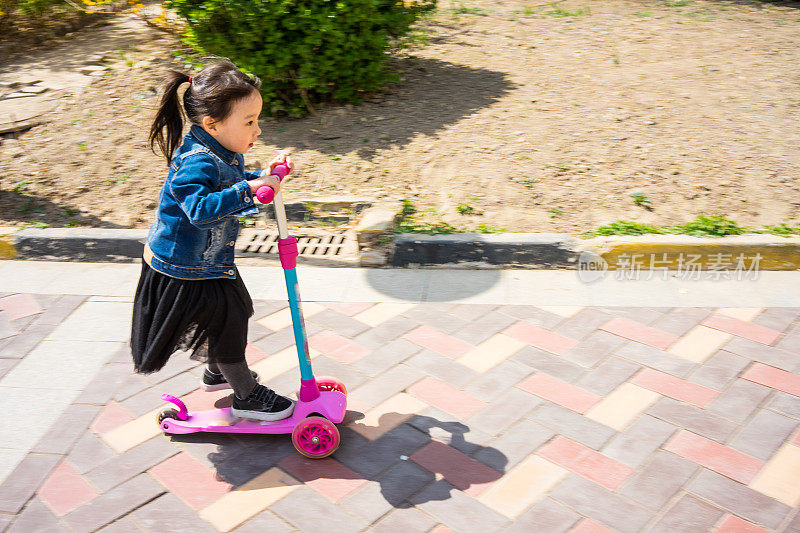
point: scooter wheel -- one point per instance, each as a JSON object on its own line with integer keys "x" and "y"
{"x": 165, "y": 414}
{"x": 315, "y": 437}
{"x": 326, "y": 383}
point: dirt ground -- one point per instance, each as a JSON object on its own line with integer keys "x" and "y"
{"x": 510, "y": 115}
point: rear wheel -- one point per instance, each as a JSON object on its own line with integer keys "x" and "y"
{"x": 165, "y": 415}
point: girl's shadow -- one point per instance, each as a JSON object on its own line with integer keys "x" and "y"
{"x": 403, "y": 454}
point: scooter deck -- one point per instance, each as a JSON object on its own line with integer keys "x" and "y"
{"x": 330, "y": 404}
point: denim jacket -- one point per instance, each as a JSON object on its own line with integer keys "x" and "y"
{"x": 195, "y": 229}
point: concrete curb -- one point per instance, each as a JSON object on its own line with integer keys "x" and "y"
{"x": 465, "y": 250}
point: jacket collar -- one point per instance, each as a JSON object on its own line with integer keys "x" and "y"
{"x": 205, "y": 138}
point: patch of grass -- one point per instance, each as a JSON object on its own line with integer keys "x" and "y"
{"x": 36, "y": 225}
{"x": 555, "y": 212}
{"x": 640, "y": 199}
{"x": 83, "y": 145}
{"x": 625, "y": 227}
{"x": 710, "y": 226}
{"x": 406, "y": 222}
{"x": 465, "y": 209}
{"x": 558, "y": 12}
{"x": 486, "y": 228}
{"x": 21, "y": 187}
{"x": 783, "y": 228}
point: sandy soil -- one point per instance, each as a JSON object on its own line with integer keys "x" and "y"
{"x": 510, "y": 116}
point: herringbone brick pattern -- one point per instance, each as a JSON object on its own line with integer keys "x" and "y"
{"x": 461, "y": 418}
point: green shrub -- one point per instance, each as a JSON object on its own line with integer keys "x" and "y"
{"x": 304, "y": 51}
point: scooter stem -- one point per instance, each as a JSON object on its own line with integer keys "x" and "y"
{"x": 287, "y": 251}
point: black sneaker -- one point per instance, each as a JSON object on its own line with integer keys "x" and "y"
{"x": 212, "y": 381}
{"x": 263, "y": 404}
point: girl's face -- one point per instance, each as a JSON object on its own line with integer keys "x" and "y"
{"x": 239, "y": 130}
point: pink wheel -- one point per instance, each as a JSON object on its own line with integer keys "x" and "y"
{"x": 325, "y": 383}
{"x": 315, "y": 437}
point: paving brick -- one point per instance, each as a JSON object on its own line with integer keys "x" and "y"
{"x": 150, "y": 399}
{"x": 738, "y": 499}
{"x": 778, "y": 479}
{"x": 338, "y": 347}
{"x": 688, "y": 515}
{"x": 594, "y": 348}
{"x": 437, "y": 316}
{"x": 518, "y": 442}
{"x": 209, "y": 449}
{"x": 559, "y": 392}
{"x": 36, "y": 518}
{"x": 325, "y": 366}
{"x": 609, "y": 375}
{"x": 699, "y": 344}
{"x": 623, "y": 405}
{"x": 251, "y": 499}
{"x": 593, "y": 501}
{"x": 493, "y": 383}
{"x": 505, "y": 411}
{"x": 534, "y": 315}
{"x": 459, "y": 470}
{"x": 438, "y": 342}
{"x": 635, "y": 331}
{"x": 734, "y": 524}
{"x": 168, "y": 514}
{"x": 65, "y": 490}
{"x": 768, "y": 355}
{"x": 523, "y": 486}
{"x": 773, "y": 377}
{"x": 304, "y": 507}
{"x": 376, "y": 338}
{"x": 19, "y": 305}
{"x": 485, "y": 328}
{"x": 387, "y": 415}
{"x": 693, "y": 418}
{"x": 785, "y": 403}
{"x": 659, "y": 480}
{"x": 367, "y": 502}
{"x": 261, "y": 453}
{"x": 764, "y": 434}
{"x": 541, "y": 338}
{"x": 739, "y": 400}
{"x": 778, "y": 318}
{"x": 790, "y": 342}
{"x": 442, "y": 368}
{"x": 376, "y": 456}
{"x": 681, "y": 320}
{"x": 89, "y": 452}
{"x": 547, "y": 516}
{"x": 280, "y": 340}
{"x": 20, "y": 345}
{"x": 449, "y": 429}
{"x": 339, "y": 323}
{"x": 190, "y": 480}
{"x": 6, "y": 365}
{"x": 675, "y": 388}
{"x": 714, "y": 456}
{"x": 572, "y": 425}
{"x": 386, "y": 385}
{"x": 114, "y": 504}
{"x": 102, "y": 388}
{"x": 111, "y": 417}
{"x": 457, "y": 510}
{"x": 719, "y": 370}
{"x": 638, "y": 442}
{"x": 385, "y": 357}
{"x": 472, "y": 312}
{"x": 582, "y": 324}
{"x": 586, "y": 462}
{"x": 553, "y": 365}
{"x": 403, "y": 521}
{"x": 655, "y": 358}
{"x": 131, "y": 463}
{"x": 742, "y": 328}
{"x": 66, "y": 430}
{"x": 381, "y": 312}
{"x": 490, "y": 353}
{"x": 23, "y": 481}
{"x": 446, "y": 397}
{"x": 644, "y": 315}
{"x": 327, "y": 476}
{"x": 794, "y": 525}
{"x": 398, "y": 483}
{"x": 589, "y": 526}
{"x": 57, "y": 312}
{"x": 265, "y": 521}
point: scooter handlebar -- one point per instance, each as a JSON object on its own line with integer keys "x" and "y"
{"x": 266, "y": 193}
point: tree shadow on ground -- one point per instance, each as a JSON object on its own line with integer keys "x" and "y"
{"x": 33, "y": 209}
{"x": 404, "y": 455}
{"x": 432, "y": 95}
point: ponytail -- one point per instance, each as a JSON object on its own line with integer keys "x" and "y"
{"x": 169, "y": 116}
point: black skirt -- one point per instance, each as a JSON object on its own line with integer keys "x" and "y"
{"x": 206, "y": 317}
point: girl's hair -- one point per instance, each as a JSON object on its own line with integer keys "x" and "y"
{"x": 212, "y": 92}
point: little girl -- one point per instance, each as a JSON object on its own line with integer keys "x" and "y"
{"x": 190, "y": 295}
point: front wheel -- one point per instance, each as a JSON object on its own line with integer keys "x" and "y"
{"x": 315, "y": 437}
{"x": 326, "y": 383}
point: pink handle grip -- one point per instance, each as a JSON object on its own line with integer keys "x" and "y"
{"x": 266, "y": 193}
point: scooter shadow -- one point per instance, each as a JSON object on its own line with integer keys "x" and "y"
{"x": 412, "y": 458}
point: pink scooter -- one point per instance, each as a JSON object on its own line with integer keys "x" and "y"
{"x": 321, "y": 403}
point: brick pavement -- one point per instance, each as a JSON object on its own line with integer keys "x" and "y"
{"x": 462, "y": 417}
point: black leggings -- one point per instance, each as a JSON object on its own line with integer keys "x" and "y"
{"x": 238, "y": 375}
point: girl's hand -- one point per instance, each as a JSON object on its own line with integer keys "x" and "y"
{"x": 271, "y": 181}
{"x": 282, "y": 159}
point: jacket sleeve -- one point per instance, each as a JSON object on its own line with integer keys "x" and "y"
{"x": 253, "y": 174}
{"x": 194, "y": 185}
